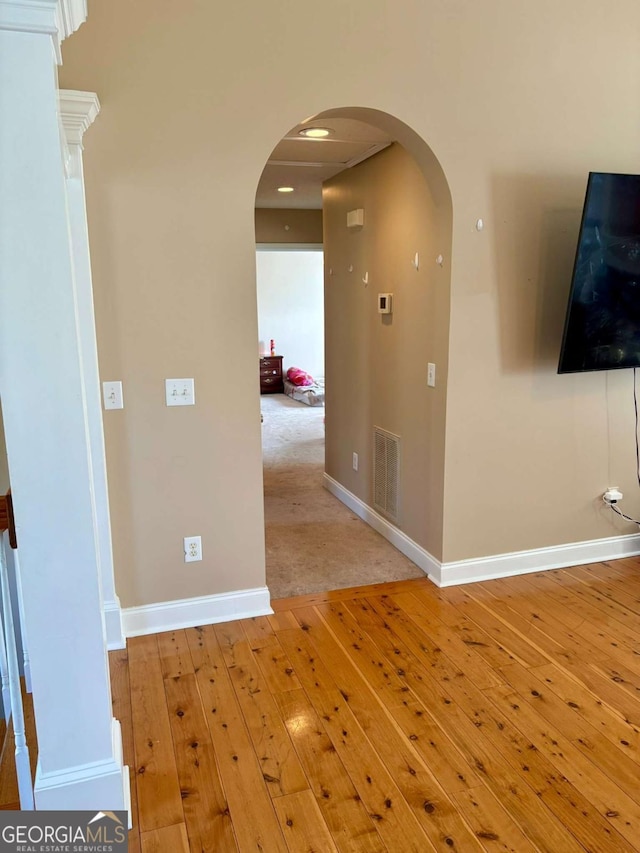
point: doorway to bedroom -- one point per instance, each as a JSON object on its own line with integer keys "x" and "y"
{"x": 314, "y": 543}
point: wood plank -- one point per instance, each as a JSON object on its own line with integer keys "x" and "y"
{"x": 493, "y": 827}
{"x": 411, "y": 717}
{"x": 175, "y": 657}
{"x": 9, "y": 795}
{"x": 542, "y": 827}
{"x": 444, "y": 638}
{"x": 205, "y": 807}
{"x": 228, "y": 635}
{"x": 282, "y": 620}
{"x": 410, "y": 805}
{"x": 580, "y": 600}
{"x": 590, "y": 615}
{"x": 629, "y": 680}
{"x": 607, "y": 687}
{"x": 627, "y": 569}
{"x": 340, "y": 805}
{"x": 511, "y": 708}
{"x": 616, "y": 763}
{"x": 4, "y": 514}
{"x": 302, "y": 823}
{"x": 121, "y": 701}
{"x": 159, "y": 800}
{"x": 601, "y": 814}
{"x": 558, "y": 791}
{"x": 497, "y": 643}
{"x": 259, "y": 632}
{"x": 346, "y": 594}
{"x": 589, "y": 708}
{"x": 281, "y": 768}
{"x": 254, "y": 819}
{"x": 169, "y": 839}
{"x": 277, "y": 669}
{"x": 526, "y": 625}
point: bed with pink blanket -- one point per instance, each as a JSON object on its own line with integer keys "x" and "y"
{"x": 301, "y": 386}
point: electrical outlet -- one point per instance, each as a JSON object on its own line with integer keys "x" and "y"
{"x": 355, "y": 462}
{"x": 612, "y": 495}
{"x": 192, "y": 548}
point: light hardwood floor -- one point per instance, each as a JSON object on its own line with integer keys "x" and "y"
{"x": 495, "y": 716}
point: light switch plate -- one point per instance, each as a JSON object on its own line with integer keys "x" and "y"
{"x": 112, "y": 395}
{"x": 180, "y": 392}
{"x": 431, "y": 375}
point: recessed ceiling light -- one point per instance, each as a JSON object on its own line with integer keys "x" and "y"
{"x": 315, "y": 132}
{"x": 285, "y": 189}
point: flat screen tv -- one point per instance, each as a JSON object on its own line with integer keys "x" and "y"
{"x": 602, "y": 327}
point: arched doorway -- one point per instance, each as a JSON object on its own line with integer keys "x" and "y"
{"x": 386, "y": 230}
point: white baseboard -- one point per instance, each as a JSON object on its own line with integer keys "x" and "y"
{"x": 98, "y": 786}
{"x": 539, "y": 560}
{"x": 486, "y": 568}
{"x": 113, "y": 625}
{"x": 416, "y": 553}
{"x": 189, "y": 612}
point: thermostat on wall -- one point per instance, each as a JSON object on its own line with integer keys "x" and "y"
{"x": 384, "y": 303}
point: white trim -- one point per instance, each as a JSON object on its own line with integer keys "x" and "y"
{"x": 55, "y": 18}
{"x": 71, "y": 14}
{"x": 416, "y": 553}
{"x": 289, "y": 247}
{"x": 190, "y": 612}
{"x": 78, "y": 111}
{"x": 29, "y": 16}
{"x": 41, "y": 17}
{"x": 113, "y": 625}
{"x": 539, "y": 559}
{"x": 486, "y": 568}
{"x": 97, "y": 785}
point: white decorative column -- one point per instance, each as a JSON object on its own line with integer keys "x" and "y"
{"x": 46, "y": 424}
{"x": 78, "y": 111}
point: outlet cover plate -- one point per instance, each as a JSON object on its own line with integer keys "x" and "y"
{"x": 192, "y": 548}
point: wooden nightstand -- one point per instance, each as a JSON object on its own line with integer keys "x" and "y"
{"x": 271, "y": 375}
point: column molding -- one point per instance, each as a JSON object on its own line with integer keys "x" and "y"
{"x": 47, "y": 414}
{"x": 70, "y": 14}
{"x": 57, "y": 18}
{"x": 78, "y": 110}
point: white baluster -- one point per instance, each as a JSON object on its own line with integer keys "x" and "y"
{"x": 23, "y": 768}
{"x": 4, "y": 674}
{"x": 26, "y": 662}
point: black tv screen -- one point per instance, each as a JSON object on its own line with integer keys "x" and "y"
{"x": 602, "y": 327}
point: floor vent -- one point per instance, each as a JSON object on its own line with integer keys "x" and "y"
{"x": 386, "y": 472}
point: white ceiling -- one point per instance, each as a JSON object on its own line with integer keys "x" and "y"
{"x": 304, "y": 163}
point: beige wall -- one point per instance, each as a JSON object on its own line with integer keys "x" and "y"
{"x": 4, "y": 464}
{"x": 377, "y": 364}
{"x": 288, "y": 226}
{"x": 517, "y": 101}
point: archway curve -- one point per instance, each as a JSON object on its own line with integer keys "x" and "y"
{"x": 420, "y": 150}
{"x": 426, "y": 164}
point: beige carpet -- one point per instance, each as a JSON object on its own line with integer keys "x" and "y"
{"x": 314, "y": 543}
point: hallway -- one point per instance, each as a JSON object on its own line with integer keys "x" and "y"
{"x": 314, "y": 542}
